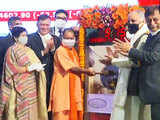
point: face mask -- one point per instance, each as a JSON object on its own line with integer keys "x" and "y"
{"x": 133, "y": 28}
{"x": 23, "y": 40}
{"x": 68, "y": 42}
{"x": 60, "y": 24}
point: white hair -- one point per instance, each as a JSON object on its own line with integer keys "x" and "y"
{"x": 140, "y": 13}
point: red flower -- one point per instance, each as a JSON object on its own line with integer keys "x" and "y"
{"x": 121, "y": 33}
{"x": 108, "y": 34}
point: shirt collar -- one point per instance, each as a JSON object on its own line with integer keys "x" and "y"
{"x": 43, "y": 36}
{"x": 154, "y": 33}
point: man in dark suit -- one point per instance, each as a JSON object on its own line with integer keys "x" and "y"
{"x": 44, "y": 45}
{"x": 7, "y": 41}
{"x": 149, "y": 59}
{"x": 61, "y": 17}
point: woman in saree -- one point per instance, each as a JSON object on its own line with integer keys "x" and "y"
{"x": 22, "y": 91}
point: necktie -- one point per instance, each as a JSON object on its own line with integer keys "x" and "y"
{"x": 149, "y": 38}
{"x": 60, "y": 34}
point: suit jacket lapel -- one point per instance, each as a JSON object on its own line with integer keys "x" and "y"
{"x": 155, "y": 38}
{"x": 151, "y": 41}
{"x": 38, "y": 41}
{"x": 52, "y": 31}
{"x": 10, "y": 39}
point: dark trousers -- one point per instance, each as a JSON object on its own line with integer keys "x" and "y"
{"x": 0, "y": 80}
{"x": 49, "y": 115}
{"x": 155, "y": 111}
{"x": 48, "y": 96}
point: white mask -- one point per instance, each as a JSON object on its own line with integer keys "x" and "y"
{"x": 23, "y": 40}
{"x": 68, "y": 42}
{"x": 60, "y": 24}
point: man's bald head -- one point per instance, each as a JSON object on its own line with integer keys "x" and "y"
{"x": 136, "y": 17}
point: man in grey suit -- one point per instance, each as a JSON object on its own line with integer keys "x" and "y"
{"x": 149, "y": 59}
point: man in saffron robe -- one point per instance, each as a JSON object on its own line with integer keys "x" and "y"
{"x": 65, "y": 97}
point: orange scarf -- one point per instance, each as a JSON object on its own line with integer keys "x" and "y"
{"x": 74, "y": 113}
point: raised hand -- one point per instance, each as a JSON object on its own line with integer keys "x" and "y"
{"x": 111, "y": 53}
{"x": 106, "y": 61}
{"x": 122, "y": 47}
{"x": 50, "y": 44}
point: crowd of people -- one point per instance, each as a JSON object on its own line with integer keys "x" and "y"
{"x": 27, "y": 66}
{"x": 40, "y": 72}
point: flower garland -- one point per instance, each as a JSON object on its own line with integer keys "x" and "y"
{"x": 81, "y": 48}
{"x": 91, "y": 18}
{"x": 120, "y": 16}
{"x": 109, "y": 22}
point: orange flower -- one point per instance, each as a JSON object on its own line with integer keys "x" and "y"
{"x": 115, "y": 26}
{"x": 115, "y": 16}
{"x": 120, "y": 16}
{"x": 97, "y": 14}
{"x": 90, "y": 17}
{"x": 101, "y": 25}
{"x": 113, "y": 8}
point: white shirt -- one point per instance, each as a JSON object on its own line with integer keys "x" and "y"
{"x": 154, "y": 33}
{"x": 57, "y": 33}
{"x": 45, "y": 38}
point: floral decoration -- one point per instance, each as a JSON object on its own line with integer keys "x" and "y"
{"x": 106, "y": 17}
{"x": 91, "y": 18}
{"x": 120, "y": 16}
{"x": 97, "y": 17}
{"x": 111, "y": 21}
